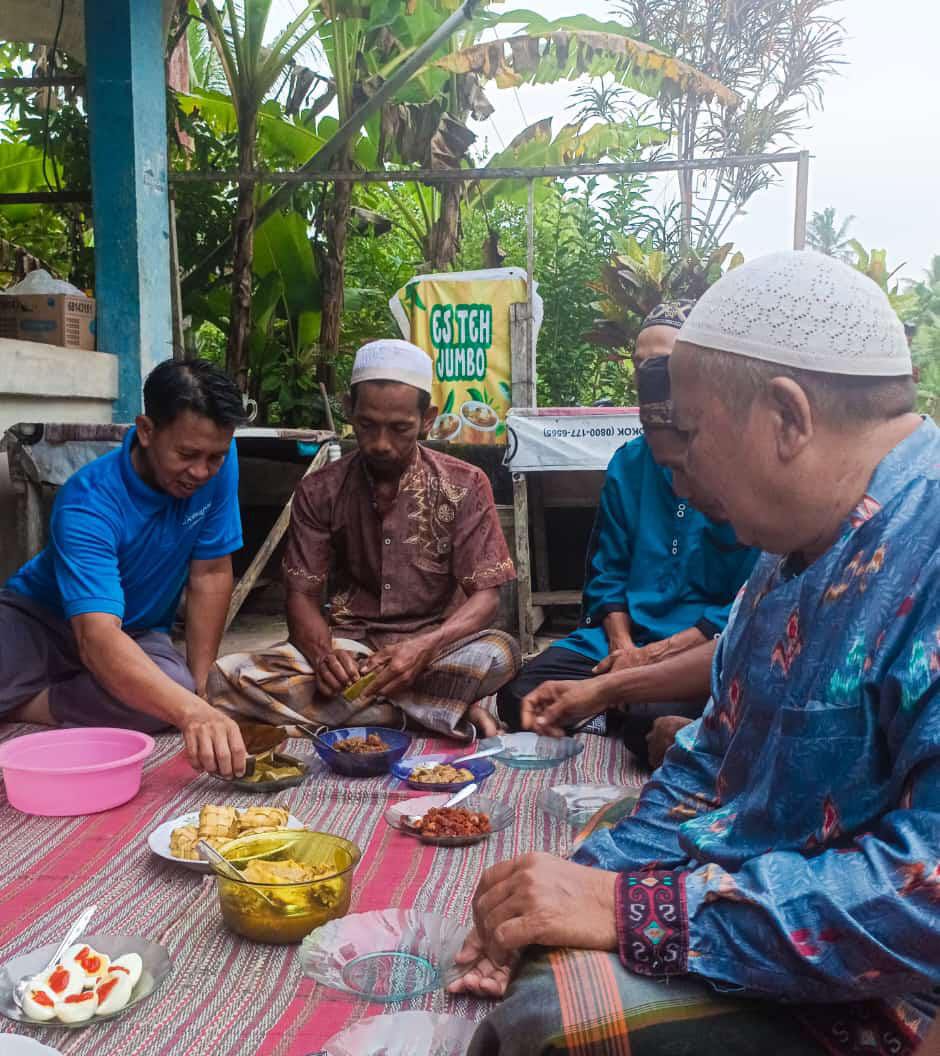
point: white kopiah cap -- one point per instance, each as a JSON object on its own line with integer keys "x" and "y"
{"x": 802, "y": 309}
{"x": 392, "y": 359}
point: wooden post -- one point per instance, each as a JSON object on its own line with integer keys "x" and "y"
{"x": 539, "y": 532}
{"x": 802, "y": 201}
{"x": 523, "y": 387}
{"x": 530, "y": 284}
{"x": 267, "y": 548}
{"x": 520, "y": 502}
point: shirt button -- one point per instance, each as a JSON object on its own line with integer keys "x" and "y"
{"x": 386, "y": 586}
{"x": 388, "y": 542}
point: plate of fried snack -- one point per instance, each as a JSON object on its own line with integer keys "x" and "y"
{"x": 433, "y": 773}
{"x": 272, "y": 771}
{"x": 176, "y": 840}
{"x": 471, "y": 822}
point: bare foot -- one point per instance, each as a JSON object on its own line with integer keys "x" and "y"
{"x": 486, "y": 725}
{"x": 35, "y": 710}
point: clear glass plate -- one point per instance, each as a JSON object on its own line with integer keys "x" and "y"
{"x": 501, "y": 816}
{"x": 529, "y": 751}
{"x": 156, "y": 969}
{"x": 386, "y": 955}
{"x": 405, "y": 1034}
{"x": 577, "y": 804}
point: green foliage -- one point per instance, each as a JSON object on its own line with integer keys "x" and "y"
{"x": 826, "y": 235}
{"x": 44, "y": 145}
{"x": 571, "y": 241}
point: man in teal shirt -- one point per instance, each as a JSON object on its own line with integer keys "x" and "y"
{"x": 84, "y": 626}
{"x": 661, "y": 577}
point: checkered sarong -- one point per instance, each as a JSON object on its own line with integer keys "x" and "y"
{"x": 260, "y": 686}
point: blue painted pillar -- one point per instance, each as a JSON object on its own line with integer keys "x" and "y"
{"x": 127, "y": 118}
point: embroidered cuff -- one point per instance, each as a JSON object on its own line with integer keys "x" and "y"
{"x": 652, "y": 922}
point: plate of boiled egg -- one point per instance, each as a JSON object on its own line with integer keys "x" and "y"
{"x": 98, "y": 978}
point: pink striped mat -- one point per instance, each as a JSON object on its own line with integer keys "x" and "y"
{"x": 227, "y": 996}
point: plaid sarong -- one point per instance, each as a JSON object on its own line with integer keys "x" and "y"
{"x": 261, "y": 686}
{"x": 586, "y": 1003}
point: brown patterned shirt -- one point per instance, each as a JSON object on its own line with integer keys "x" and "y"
{"x": 394, "y": 575}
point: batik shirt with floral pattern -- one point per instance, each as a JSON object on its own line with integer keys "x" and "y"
{"x": 792, "y": 836}
{"x": 395, "y": 575}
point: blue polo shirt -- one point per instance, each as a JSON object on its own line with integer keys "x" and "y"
{"x": 118, "y": 546}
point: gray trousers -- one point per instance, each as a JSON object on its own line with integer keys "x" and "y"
{"x": 38, "y": 651}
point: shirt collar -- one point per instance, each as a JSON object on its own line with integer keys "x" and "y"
{"x": 916, "y": 455}
{"x": 140, "y": 492}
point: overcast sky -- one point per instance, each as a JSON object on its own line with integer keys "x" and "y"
{"x": 875, "y": 145}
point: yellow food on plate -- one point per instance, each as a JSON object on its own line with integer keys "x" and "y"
{"x": 256, "y": 817}
{"x": 440, "y": 774}
{"x": 183, "y": 842}
{"x": 219, "y": 824}
{"x": 218, "y": 821}
{"x": 272, "y": 767}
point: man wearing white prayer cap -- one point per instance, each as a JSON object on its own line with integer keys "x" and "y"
{"x": 404, "y": 546}
{"x": 777, "y": 886}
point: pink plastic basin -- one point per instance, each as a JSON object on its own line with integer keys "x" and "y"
{"x": 61, "y": 773}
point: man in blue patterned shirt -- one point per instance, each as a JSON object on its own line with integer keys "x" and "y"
{"x": 778, "y": 885}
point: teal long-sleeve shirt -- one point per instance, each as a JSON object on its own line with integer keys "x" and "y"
{"x": 655, "y": 557}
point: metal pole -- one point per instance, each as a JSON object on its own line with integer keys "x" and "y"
{"x": 600, "y": 168}
{"x": 802, "y": 200}
{"x": 530, "y": 283}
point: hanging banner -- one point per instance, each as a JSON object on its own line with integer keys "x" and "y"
{"x": 461, "y": 319}
{"x": 568, "y": 438}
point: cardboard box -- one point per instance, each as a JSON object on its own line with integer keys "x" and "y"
{"x": 52, "y": 318}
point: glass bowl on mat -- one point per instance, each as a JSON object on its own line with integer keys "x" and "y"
{"x": 577, "y": 804}
{"x": 405, "y": 1034}
{"x": 529, "y": 751}
{"x": 361, "y": 764}
{"x": 501, "y": 816}
{"x": 386, "y": 955}
{"x": 286, "y": 912}
{"x": 156, "y": 967}
{"x": 403, "y": 770}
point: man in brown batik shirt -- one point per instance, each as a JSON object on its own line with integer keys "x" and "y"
{"x": 404, "y": 545}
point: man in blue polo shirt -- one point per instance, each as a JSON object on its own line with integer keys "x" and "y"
{"x": 84, "y": 626}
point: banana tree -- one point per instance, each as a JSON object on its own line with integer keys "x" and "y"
{"x": 252, "y": 67}
{"x": 420, "y": 211}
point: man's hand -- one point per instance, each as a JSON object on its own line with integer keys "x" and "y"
{"x": 213, "y": 741}
{"x": 628, "y": 656}
{"x": 484, "y": 979}
{"x": 335, "y": 670}
{"x": 554, "y": 706}
{"x": 398, "y": 666}
{"x": 543, "y": 900}
{"x": 659, "y": 739}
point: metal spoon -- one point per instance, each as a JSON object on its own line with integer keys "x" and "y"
{"x": 211, "y": 855}
{"x": 414, "y": 820}
{"x": 19, "y": 991}
{"x": 478, "y": 755}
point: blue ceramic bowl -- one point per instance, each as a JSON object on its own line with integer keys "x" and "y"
{"x": 364, "y": 764}
{"x": 480, "y": 768}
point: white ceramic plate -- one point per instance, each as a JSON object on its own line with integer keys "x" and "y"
{"x": 159, "y": 839}
{"x": 18, "y": 1045}
{"x": 155, "y": 969}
